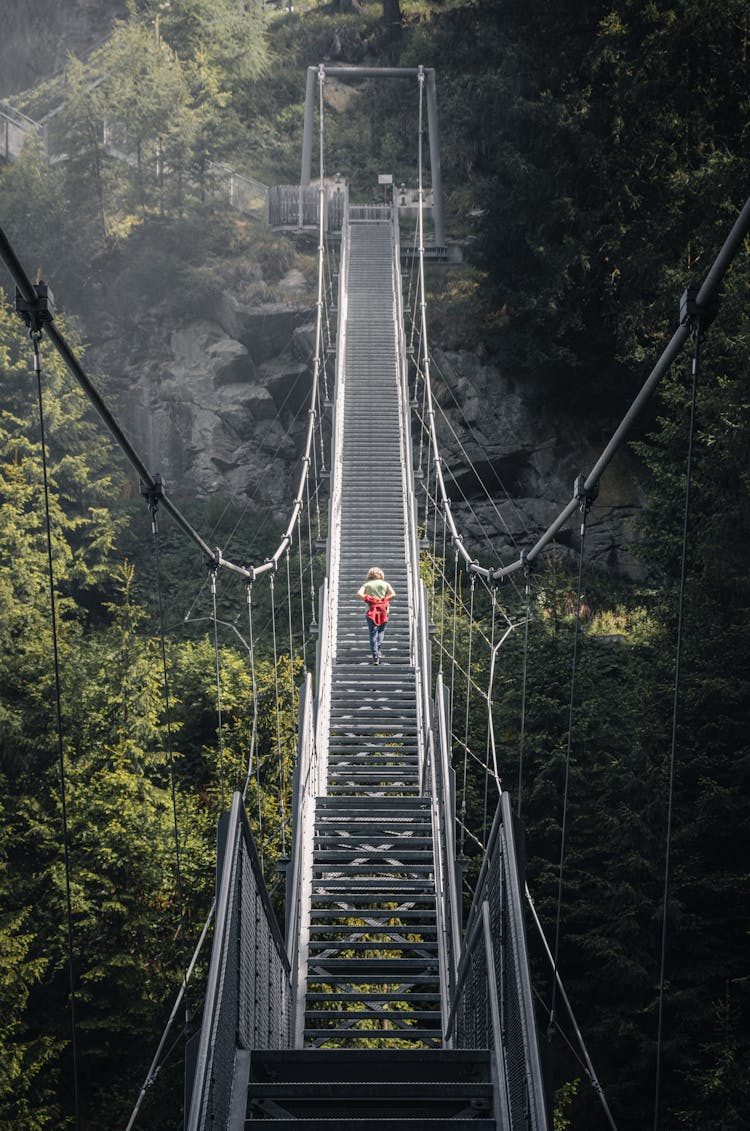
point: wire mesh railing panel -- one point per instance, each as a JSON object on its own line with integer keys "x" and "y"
{"x": 473, "y": 1030}
{"x": 511, "y": 1019}
{"x": 369, "y": 212}
{"x": 248, "y": 943}
{"x": 492, "y": 1007}
{"x": 247, "y": 999}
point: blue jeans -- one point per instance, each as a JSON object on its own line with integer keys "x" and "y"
{"x": 377, "y": 632}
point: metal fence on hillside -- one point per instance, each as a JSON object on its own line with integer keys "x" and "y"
{"x": 298, "y": 206}
{"x": 15, "y": 128}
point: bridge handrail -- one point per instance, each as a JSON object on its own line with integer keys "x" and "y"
{"x": 442, "y": 821}
{"x": 493, "y": 1005}
{"x": 430, "y": 764}
{"x": 337, "y": 446}
{"x": 312, "y": 765}
{"x": 246, "y": 1006}
{"x": 313, "y": 782}
{"x": 23, "y": 121}
{"x": 445, "y": 792}
{"x": 304, "y": 789}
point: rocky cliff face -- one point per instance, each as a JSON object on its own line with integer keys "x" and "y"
{"x": 512, "y": 464}
{"x": 218, "y": 405}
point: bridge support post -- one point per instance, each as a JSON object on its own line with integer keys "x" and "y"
{"x": 435, "y": 171}
{"x": 307, "y": 131}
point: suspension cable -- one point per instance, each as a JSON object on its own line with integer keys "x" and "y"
{"x": 291, "y": 634}
{"x": 696, "y": 332}
{"x": 316, "y": 492}
{"x": 587, "y": 1065}
{"x": 302, "y": 593}
{"x": 704, "y": 299}
{"x": 455, "y": 625}
{"x": 35, "y": 334}
{"x": 28, "y": 300}
{"x": 254, "y": 685}
{"x": 442, "y": 598}
{"x": 466, "y": 717}
{"x": 157, "y": 1063}
{"x": 585, "y": 501}
{"x": 152, "y": 499}
{"x": 282, "y": 804}
{"x": 472, "y": 467}
{"x": 468, "y": 428}
{"x": 220, "y": 730}
{"x": 490, "y": 726}
{"x": 522, "y": 735}
{"x": 254, "y": 734}
{"x": 313, "y": 620}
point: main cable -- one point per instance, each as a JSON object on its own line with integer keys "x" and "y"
{"x": 35, "y": 335}
{"x": 220, "y": 727}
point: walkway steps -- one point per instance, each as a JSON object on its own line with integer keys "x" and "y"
{"x": 373, "y": 964}
{"x": 400, "y": 1089}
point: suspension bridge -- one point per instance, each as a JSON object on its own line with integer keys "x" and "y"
{"x": 383, "y": 1001}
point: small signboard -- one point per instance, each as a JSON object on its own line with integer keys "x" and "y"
{"x": 385, "y": 178}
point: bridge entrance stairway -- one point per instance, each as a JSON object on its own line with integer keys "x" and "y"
{"x": 395, "y": 1090}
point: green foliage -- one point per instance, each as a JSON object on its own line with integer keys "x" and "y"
{"x": 27, "y": 1068}
{"x": 596, "y": 155}
{"x": 563, "y": 1098}
{"x": 616, "y": 134}
{"x": 219, "y": 33}
{"x": 614, "y": 850}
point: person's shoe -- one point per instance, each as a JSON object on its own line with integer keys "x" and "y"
{"x": 376, "y": 661}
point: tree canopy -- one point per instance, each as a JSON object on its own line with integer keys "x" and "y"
{"x": 594, "y": 156}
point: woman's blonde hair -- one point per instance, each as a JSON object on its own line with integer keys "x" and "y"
{"x": 375, "y": 574}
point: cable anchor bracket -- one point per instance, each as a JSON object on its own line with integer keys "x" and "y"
{"x": 586, "y": 497}
{"x": 213, "y": 564}
{"x": 152, "y": 492}
{"x": 38, "y": 312}
{"x": 697, "y": 316}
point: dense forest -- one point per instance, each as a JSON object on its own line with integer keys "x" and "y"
{"x": 594, "y": 157}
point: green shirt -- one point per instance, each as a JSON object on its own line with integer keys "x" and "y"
{"x": 376, "y": 588}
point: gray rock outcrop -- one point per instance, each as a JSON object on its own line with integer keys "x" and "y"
{"x": 218, "y": 404}
{"x": 511, "y": 465}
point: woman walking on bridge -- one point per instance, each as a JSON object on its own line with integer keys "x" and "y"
{"x": 377, "y": 594}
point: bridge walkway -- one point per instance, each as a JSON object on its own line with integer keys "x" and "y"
{"x": 373, "y": 1011}
{"x": 372, "y": 959}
